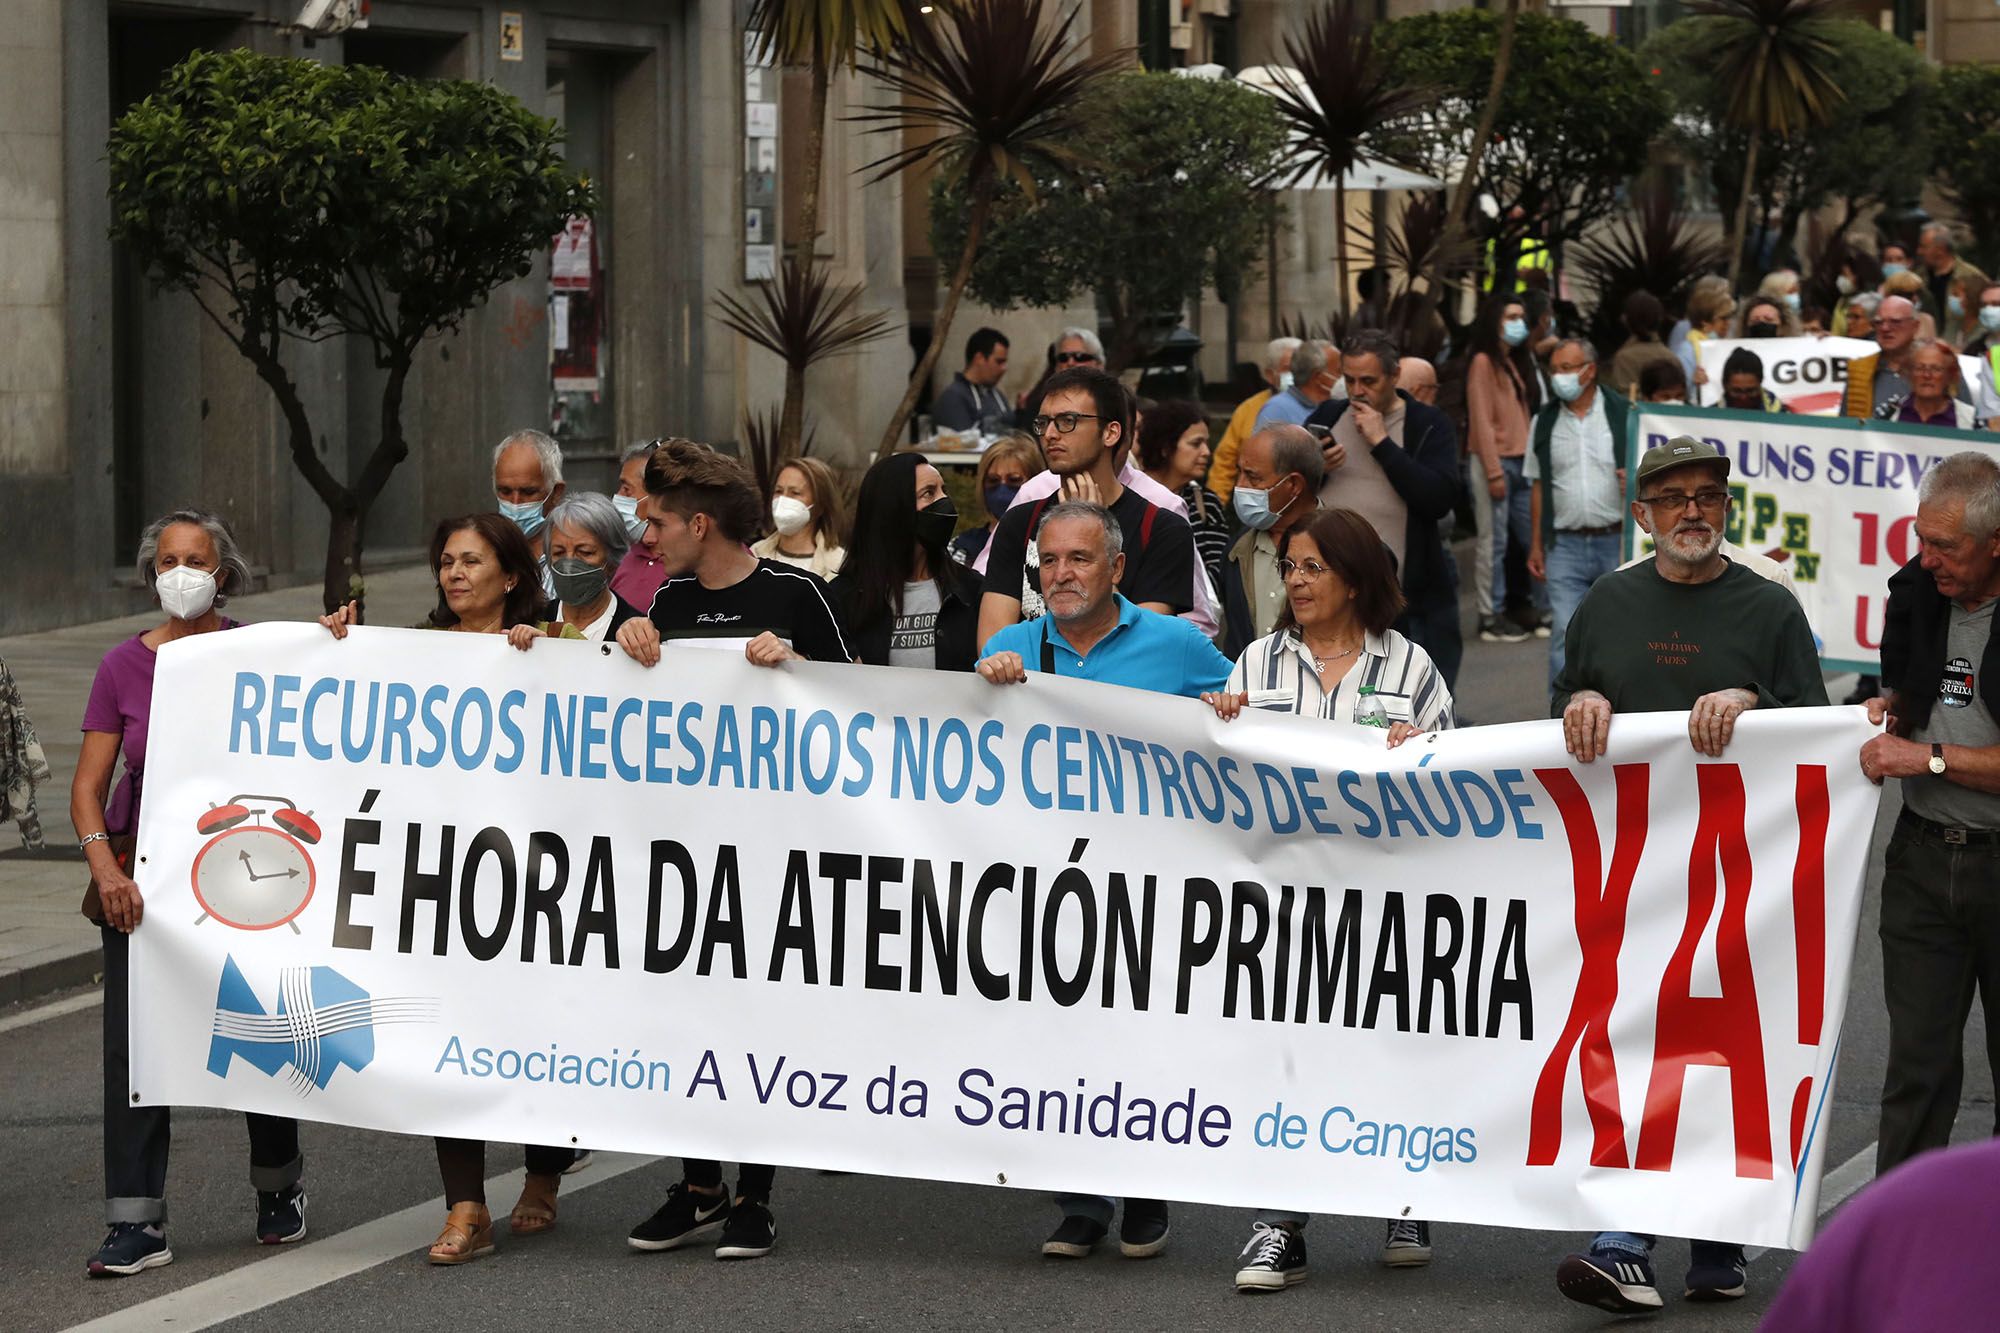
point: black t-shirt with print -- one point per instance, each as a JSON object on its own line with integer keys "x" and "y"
{"x": 790, "y": 603}
{"x": 1159, "y": 557}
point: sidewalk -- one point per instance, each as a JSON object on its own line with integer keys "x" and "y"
{"x": 45, "y": 944}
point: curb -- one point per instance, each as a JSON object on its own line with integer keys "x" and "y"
{"x": 35, "y": 980}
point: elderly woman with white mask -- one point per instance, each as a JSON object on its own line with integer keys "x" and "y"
{"x": 190, "y": 564}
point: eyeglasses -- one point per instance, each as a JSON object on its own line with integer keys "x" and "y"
{"x": 1076, "y": 358}
{"x": 1312, "y": 569}
{"x": 1064, "y": 422}
{"x": 1674, "y": 501}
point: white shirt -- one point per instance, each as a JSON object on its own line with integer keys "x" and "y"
{"x": 598, "y": 628}
{"x": 1048, "y": 483}
{"x": 1277, "y": 673}
{"x": 1584, "y": 459}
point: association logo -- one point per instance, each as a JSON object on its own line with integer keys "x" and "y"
{"x": 252, "y": 875}
{"x": 320, "y": 1022}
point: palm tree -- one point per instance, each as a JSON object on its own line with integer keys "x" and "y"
{"x": 802, "y": 318}
{"x": 1773, "y": 63}
{"x": 1339, "y": 105}
{"x": 822, "y": 35}
{"x": 985, "y": 92}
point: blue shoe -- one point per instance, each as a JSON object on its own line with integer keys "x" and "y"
{"x": 132, "y": 1247}
{"x": 1617, "y": 1280}
{"x": 281, "y": 1216}
{"x": 1715, "y": 1271}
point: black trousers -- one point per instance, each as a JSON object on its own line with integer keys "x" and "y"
{"x": 753, "y": 1182}
{"x": 136, "y": 1138}
{"x": 1437, "y": 632}
{"x": 1940, "y": 941}
{"x": 462, "y": 1164}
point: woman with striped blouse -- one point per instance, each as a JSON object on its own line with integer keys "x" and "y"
{"x": 1333, "y": 642}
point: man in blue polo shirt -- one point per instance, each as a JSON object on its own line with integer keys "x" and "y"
{"x": 1092, "y": 633}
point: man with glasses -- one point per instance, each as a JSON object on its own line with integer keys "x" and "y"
{"x": 1085, "y": 418}
{"x": 1689, "y": 629}
{"x": 1882, "y": 380}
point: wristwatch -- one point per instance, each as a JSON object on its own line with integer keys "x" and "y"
{"x": 1937, "y": 758}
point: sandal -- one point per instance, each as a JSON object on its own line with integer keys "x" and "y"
{"x": 467, "y": 1234}
{"x": 535, "y": 1210}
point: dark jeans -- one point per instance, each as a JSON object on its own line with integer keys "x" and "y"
{"x": 462, "y": 1164}
{"x": 136, "y": 1138}
{"x": 1940, "y": 940}
{"x": 1437, "y": 632}
{"x": 753, "y": 1182}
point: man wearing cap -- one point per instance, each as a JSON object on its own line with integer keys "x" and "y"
{"x": 1689, "y": 629}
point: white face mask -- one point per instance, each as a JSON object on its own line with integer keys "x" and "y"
{"x": 628, "y": 509}
{"x": 185, "y": 593}
{"x": 788, "y": 515}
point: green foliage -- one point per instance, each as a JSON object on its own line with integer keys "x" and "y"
{"x": 1572, "y": 127}
{"x": 1771, "y": 61}
{"x": 1344, "y": 97}
{"x": 1965, "y": 133}
{"x": 1161, "y": 199}
{"x": 1875, "y": 149}
{"x": 328, "y": 199}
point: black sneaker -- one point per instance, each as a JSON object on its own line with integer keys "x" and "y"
{"x": 1620, "y": 1281}
{"x": 1144, "y": 1233}
{"x": 1274, "y": 1259}
{"x": 1715, "y": 1271}
{"x": 131, "y": 1247}
{"x": 1500, "y": 629}
{"x": 1408, "y": 1244}
{"x": 1074, "y": 1239}
{"x": 749, "y": 1233}
{"x": 281, "y": 1216}
{"x": 686, "y": 1217}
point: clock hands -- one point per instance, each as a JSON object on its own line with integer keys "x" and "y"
{"x": 251, "y": 871}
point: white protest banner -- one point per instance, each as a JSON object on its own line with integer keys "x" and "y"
{"x": 1808, "y": 375}
{"x": 1838, "y": 497}
{"x": 1058, "y": 935}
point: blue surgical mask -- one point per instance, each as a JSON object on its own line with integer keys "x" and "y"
{"x": 1514, "y": 332}
{"x": 1792, "y": 302}
{"x": 1569, "y": 388}
{"x": 1891, "y": 269}
{"x": 1254, "y": 508}
{"x": 628, "y": 509}
{"x": 999, "y": 499}
{"x": 1989, "y": 318}
{"x": 1954, "y": 306}
{"x": 527, "y": 516}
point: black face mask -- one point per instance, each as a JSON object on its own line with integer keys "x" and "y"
{"x": 935, "y": 523}
{"x": 1761, "y": 331}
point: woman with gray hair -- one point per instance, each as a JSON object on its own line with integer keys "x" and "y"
{"x": 190, "y": 564}
{"x": 586, "y": 543}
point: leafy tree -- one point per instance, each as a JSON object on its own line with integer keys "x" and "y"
{"x": 1965, "y": 134}
{"x": 1113, "y": 222}
{"x": 1771, "y": 61}
{"x": 301, "y": 201}
{"x": 1875, "y": 149}
{"x": 987, "y": 92}
{"x": 1570, "y": 127}
{"x": 824, "y": 36}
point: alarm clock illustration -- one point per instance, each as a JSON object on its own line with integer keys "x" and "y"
{"x": 253, "y": 875}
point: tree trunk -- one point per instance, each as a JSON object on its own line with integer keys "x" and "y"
{"x": 1271, "y": 260}
{"x": 1340, "y": 242}
{"x": 1737, "y": 234}
{"x": 1489, "y": 115}
{"x": 975, "y": 229}
{"x": 791, "y": 420}
{"x": 338, "y": 499}
{"x": 390, "y": 450}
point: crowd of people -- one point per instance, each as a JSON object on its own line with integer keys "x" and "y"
{"x": 1301, "y": 564}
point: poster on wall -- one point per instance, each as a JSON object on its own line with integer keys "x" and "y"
{"x": 576, "y": 285}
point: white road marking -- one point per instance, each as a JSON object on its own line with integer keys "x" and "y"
{"x": 75, "y": 1004}
{"x": 314, "y": 1264}
{"x": 1837, "y": 1186}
